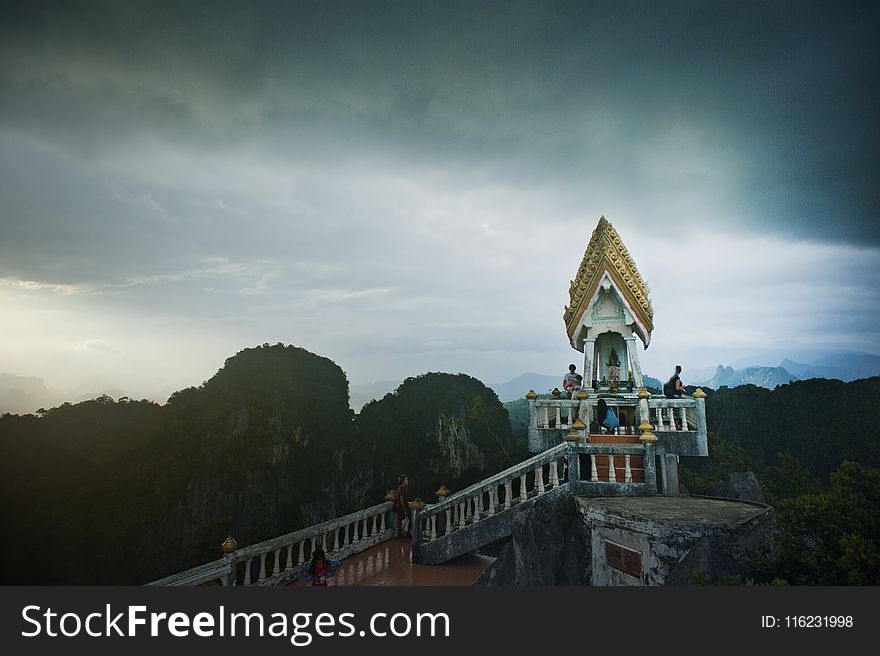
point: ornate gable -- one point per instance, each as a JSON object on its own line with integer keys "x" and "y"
{"x": 606, "y": 253}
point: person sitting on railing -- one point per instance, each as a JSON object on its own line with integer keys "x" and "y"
{"x": 571, "y": 382}
{"x": 673, "y": 389}
{"x": 606, "y": 416}
{"x": 577, "y": 386}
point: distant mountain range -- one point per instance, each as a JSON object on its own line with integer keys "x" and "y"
{"x": 769, "y": 377}
{"x": 842, "y": 366}
{"x": 24, "y": 394}
{"x": 360, "y": 395}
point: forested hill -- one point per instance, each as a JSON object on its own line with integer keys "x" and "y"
{"x": 126, "y": 491}
{"x": 820, "y": 422}
{"x": 439, "y": 429}
{"x": 813, "y": 447}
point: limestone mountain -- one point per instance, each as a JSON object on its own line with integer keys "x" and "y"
{"x": 439, "y": 429}
{"x": 768, "y": 377}
{"x": 125, "y": 491}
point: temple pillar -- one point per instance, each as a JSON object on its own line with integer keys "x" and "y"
{"x": 589, "y": 359}
{"x": 633, "y": 357}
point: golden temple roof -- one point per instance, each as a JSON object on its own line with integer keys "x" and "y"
{"x": 606, "y": 252}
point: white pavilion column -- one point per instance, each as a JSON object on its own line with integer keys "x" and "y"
{"x": 633, "y": 358}
{"x": 589, "y": 359}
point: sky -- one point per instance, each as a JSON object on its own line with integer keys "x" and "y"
{"x": 408, "y": 187}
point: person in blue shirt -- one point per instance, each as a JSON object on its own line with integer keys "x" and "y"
{"x": 606, "y": 416}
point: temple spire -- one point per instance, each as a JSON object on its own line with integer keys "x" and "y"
{"x": 607, "y": 265}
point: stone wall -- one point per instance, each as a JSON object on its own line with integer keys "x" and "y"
{"x": 545, "y": 547}
{"x": 677, "y": 539}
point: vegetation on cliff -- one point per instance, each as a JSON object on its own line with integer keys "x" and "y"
{"x": 127, "y": 491}
{"x": 814, "y": 451}
{"x": 438, "y": 429}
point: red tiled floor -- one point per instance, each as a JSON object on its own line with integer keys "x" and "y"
{"x": 389, "y": 564}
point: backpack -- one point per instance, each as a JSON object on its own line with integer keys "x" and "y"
{"x": 669, "y": 387}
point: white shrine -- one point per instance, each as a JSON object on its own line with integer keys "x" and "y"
{"x": 609, "y": 311}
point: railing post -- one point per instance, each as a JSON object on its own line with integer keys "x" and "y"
{"x": 700, "y": 397}
{"x": 612, "y": 475}
{"x": 415, "y": 529}
{"x": 627, "y": 472}
{"x": 523, "y": 493}
{"x": 650, "y": 468}
{"x": 644, "y": 411}
{"x": 594, "y": 473}
{"x": 539, "y": 479}
{"x": 574, "y": 466}
{"x": 508, "y": 493}
{"x": 228, "y": 547}
{"x": 534, "y": 436}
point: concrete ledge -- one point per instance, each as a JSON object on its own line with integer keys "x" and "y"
{"x": 474, "y": 536}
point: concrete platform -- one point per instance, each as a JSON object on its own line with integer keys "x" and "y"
{"x": 674, "y": 540}
{"x": 707, "y": 511}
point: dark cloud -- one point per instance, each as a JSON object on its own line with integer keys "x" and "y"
{"x": 548, "y": 93}
{"x": 378, "y": 167}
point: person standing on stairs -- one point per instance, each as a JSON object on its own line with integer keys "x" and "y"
{"x": 400, "y": 505}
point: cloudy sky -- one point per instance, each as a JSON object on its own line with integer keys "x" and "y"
{"x": 410, "y": 186}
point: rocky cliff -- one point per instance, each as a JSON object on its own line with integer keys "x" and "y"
{"x": 134, "y": 490}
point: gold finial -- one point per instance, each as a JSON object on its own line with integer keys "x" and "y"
{"x": 583, "y": 394}
{"x": 644, "y": 393}
{"x": 229, "y": 545}
{"x": 556, "y": 392}
{"x": 573, "y": 435}
{"x": 648, "y": 436}
{"x": 531, "y": 396}
{"x": 578, "y": 424}
{"x": 443, "y": 491}
{"x": 699, "y": 394}
{"x": 390, "y": 495}
{"x": 416, "y": 504}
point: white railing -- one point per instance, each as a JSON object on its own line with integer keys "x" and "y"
{"x": 556, "y": 414}
{"x": 614, "y": 463}
{"x": 270, "y": 561}
{"x": 684, "y": 417}
{"x": 675, "y": 414}
{"x": 526, "y": 480}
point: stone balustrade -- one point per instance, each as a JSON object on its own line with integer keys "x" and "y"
{"x": 556, "y": 414}
{"x": 680, "y": 423}
{"x": 673, "y": 414}
{"x": 280, "y": 559}
{"x": 612, "y": 469}
{"x": 526, "y": 480}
